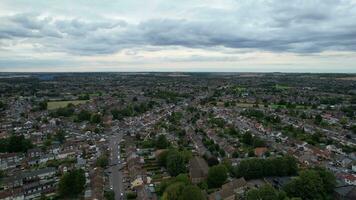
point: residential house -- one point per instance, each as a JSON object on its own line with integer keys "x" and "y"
{"x": 230, "y": 191}
{"x": 260, "y": 151}
{"x": 198, "y": 169}
{"x": 347, "y": 192}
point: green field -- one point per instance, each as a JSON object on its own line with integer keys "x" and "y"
{"x": 60, "y": 104}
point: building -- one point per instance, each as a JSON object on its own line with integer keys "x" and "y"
{"x": 345, "y": 192}
{"x": 198, "y": 169}
{"x": 230, "y": 191}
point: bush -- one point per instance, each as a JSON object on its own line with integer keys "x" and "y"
{"x": 217, "y": 175}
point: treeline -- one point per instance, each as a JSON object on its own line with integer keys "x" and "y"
{"x": 160, "y": 142}
{"x": 63, "y": 112}
{"x": 258, "y": 168}
{"x": 85, "y": 115}
{"x": 261, "y": 116}
{"x": 15, "y": 144}
{"x": 179, "y": 188}
{"x": 169, "y": 96}
{"x": 132, "y": 110}
{"x": 317, "y": 183}
{"x": 174, "y": 161}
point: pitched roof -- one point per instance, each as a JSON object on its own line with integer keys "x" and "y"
{"x": 198, "y": 167}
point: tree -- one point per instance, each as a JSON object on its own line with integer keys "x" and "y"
{"x": 102, "y": 161}
{"x": 191, "y": 192}
{"x": 109, "y": 195}
{"x": 84, "y": 115}
{"x": 175, "y": 163}
{"x": 162, "y": 142}
{"x": 95, "y": 118}
{"x": 84, "y": 97}
{"x": 15, "y": 144}
{"x": 353, "y": 129}
{"x": 60, "y": 136}
{"x": 258, "y": 168}
{"x": 247, "y": 138}
{"x": 217, "y": 175}
{"x": 266, "y": 192}
{"x": 318, "y": 119}
{"x": 2, "y": 105}
{"x": 162, "y": 158}
{"x": 72, "y": 183}
{"x": 42, "y": 105}
{"x": 312, "y": 184}
{"x": 173, "y": 192}
{"x": 212, "y": 161}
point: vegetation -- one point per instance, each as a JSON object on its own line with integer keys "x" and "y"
{"x": 15, "y": 143}
{"x": 312, "y": 184}
{"x": 179, "y": 188}
{"x": 2, "y": 105}
{"x": 60, "y": 136}
{"x": 63, "y": 111}
{"x": 42, "y": 105}
{"x": 266, "y": 192}
{"x": 102, "y": 161}
{"x": 217, "y": 175}
{"x": 175, "y": 163}
{"x": 162, "y": 142}
{"x": 258, "y": 168}
{"x": 132, "y": 110}
{"x": 109, "y": 195}
{"x": 53, "y": 105}
{"x": 72, "y": 184}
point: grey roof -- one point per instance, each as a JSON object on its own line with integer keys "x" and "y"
{"x": 348, "y": 191}
{"x": 38, "y": 172}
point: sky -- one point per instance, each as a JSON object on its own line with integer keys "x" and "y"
{"x": 178, "y": 35}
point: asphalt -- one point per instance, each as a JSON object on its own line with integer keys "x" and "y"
{"x": 116, "y": 178}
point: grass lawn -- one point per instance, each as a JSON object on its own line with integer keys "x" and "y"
{"x": 60, "y": 104}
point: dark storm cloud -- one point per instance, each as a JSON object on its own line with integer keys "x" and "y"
{"x": 278, "y": 26}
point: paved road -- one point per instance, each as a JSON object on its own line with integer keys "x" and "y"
{"x": 116, "y": 175}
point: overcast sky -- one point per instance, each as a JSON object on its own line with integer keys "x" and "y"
{"x": 178, "y": 35}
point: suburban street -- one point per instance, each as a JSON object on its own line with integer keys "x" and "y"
{"x": 116, "y": 176}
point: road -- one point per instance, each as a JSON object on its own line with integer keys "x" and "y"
{"x": 116, "y": 180}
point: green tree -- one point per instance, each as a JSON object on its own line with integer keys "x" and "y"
{"x": 72, "y": 184}
{"x": 162, "y": 158}
{"x": 217, "y": 175}
{"x": 247, "y": 138}
{"x": 353, "y": 129}
{"x": 95, "y": 118}
{"x": 102, "y": 161}
{"x": 191, "y": 192}
{"x": 318, "y": 119}
{"x": 18, "y": 144}
{"x": 162, "y": 142}
{"x": 312, "y": 184}
{"x": 84, "y": 115}
{"x": 42, "y": 105}
{"x": 266, "y": 192}
{"x": 173, "y": 192}
{"x": 60, "y": 136}
{"x": 175, "y": 163}
{"x": 109, "y": 195}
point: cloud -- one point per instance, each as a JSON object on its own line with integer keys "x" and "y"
{"x": 300, "y": 26}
